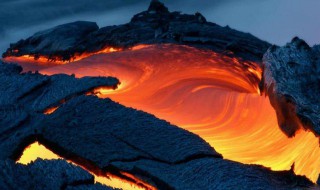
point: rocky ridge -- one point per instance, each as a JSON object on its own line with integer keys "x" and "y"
{"x": 154, "y": 26}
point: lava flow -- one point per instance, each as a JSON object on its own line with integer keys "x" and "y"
{"x": 36, "y": 150}
{"x": 32, "y": 62}
{"x": 212, "y": 95}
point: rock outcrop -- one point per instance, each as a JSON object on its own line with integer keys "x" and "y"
{"x": 154, "y": 26}
{"x": 292, "y": 81}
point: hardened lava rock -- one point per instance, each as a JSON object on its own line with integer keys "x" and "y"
{"x": 153, "y": 26}
{"x": 104, "y": 136}
{"x": 45, "y": 174}
{"x": 292, "y": 81}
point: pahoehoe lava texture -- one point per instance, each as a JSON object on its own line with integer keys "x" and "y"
{"x": 45, "y": 174}
{"x": 106, "y": 136}
{"x": 37, "y": 92}
{"x": 24, "y": 96}
{"x": 154, "y": 26}
{"x": 292, "y": 81}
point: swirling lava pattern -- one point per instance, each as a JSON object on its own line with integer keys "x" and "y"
{"x": 209, "y": 94}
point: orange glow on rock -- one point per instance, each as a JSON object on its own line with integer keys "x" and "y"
{"x": 50, "y": 110}
{"x": 212, "y": 95}
{"x": 32, "y": 62}
{"x": 36, "y": 150}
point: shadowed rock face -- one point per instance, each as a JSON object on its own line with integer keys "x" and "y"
{"x": 157, "y": 7}
{"x": 45, "y": 174}
{"x": 104, "y": 136}
{"x": 156, "y": 25}
{"x": 292, "y": 80}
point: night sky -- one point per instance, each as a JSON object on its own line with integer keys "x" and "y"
{"x": 276, "y": 21}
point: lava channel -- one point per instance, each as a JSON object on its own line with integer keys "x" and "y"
{"x": 209, "y": 94}
{"x": 37, "y": 150}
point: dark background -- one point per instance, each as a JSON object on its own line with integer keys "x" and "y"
{"x": 276, "y": 21}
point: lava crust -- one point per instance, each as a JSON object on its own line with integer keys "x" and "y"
{"x": 154, "y": 26}
{"x": 102, "y": 136}
{"x": 291, "y": 80}
{"x": 46, "y": 174}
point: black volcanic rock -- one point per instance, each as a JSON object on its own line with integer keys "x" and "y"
{"x": 96, "y": 186}
{"x": 109, "y": 127}
{"x": 38, "y": 92}
{"x": 104, "y": 136}
{"x": 16, "y": 130}
{"x": 25, "y": 96}
{"x": 208, "y": 173}
{"x": 45, "y": 174}
{"x": 8, "y": 69}
{"x": 157, "y": 7}
{"x": 156, "y": 25}
{"x": 292, "y": 81}
{"x": 60, "y": 39}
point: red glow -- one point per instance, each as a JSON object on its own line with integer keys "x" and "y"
{"x": 214, "y": 96}
{"x": 50, "y": 110}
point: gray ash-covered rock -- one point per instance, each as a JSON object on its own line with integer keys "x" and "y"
{"x": 292, "y": 81}
{"x": 45, "y": 174}
{"x": 156, "y": 25}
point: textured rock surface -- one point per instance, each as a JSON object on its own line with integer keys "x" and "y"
{"x": 104, "y": 136}
{"x": 210, "y": 173}
{"x": 25, "y": 96}
{"x": 38, "y": 92}
{"x": 17, "y": 130}
{"x": 44, "y": 174}
{"x": 60, "y": 40}
{"x": 109, "y": 127}
{"x": 292, "y": 80}
{"x": 156, "y": 25}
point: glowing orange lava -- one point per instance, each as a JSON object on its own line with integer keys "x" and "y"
{"x": 214, "y": 96}
{"x": 33, "y": 63}
{"x": 36, "y": 150}
{"x": 50, "y": 110}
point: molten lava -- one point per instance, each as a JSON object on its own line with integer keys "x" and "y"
{"x": 37, "y": 150}
{"x": 33, "y": 63}
{"x": 50, "y": 110}
{"x": 212, "y": 95}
